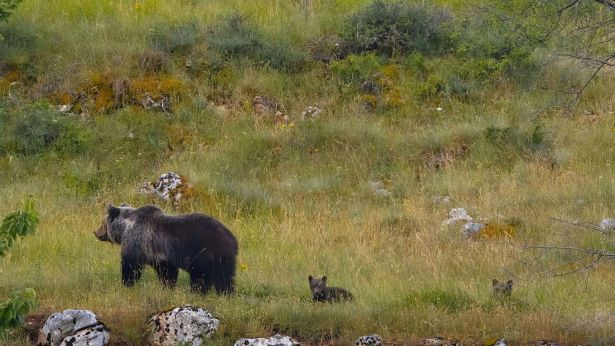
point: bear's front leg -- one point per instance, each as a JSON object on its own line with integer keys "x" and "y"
{"x": 131, "y": 271}
{"x": 167, "y": 274}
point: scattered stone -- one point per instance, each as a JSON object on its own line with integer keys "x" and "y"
{"x": 169, "y": 186}
{"x": 162, "y": 103}
{"x": 471, "y": 228}
{"x": 97, "y": 335}
{"x": 264, "y": 104}
{"x": 607, "y": 225}
{"x": 369, "y": 340}
{"x": 546, "y": 343}
{"x": 311, "y": 112}
{"x": 439, "y": 341}
{"x": 276, "y": 340}
{"x": 378, "y": 189}
{"x": 457, "y": 214}
{"x": 182, "y": 325}
{"x": 64, "y": 108}
{"x": 501, "y": 342}
{"x": 441, "y": 199}
{"x": 69, "y": 324}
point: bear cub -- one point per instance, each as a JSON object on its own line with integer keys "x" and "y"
{"x": 322, "y": 293}
{"x": 196, "y": 243}
{"x": 502, "y": 289}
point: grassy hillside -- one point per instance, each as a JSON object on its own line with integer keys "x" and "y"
{"x": 464, "y": 108}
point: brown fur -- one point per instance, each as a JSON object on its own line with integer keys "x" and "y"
{"x": 322, "y": 293}
{"x": 197, "y": 243}
{"x": 502, "y": 289}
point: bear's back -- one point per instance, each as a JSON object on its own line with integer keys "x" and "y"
{"x": 197, "y": 231}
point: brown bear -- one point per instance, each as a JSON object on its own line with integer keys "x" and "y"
{"x": 322, "y": 293}
{"x": 197, "y": 243}
{"x": 502, "y": 289}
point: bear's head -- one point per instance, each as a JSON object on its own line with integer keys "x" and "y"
{"x": 318, "y": 286}
{"x": 115, "y": 223}
{"x": 501, "y": 289}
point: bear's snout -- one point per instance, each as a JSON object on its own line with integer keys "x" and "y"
{"x": 102, "y": 237}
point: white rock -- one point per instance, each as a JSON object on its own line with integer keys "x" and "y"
{"x": 607, "y": 225}
{"x": 441, "y": 199}
{"x": 165, "y": 187}
{"x": 66, "y": 323}
{"x": 439, "y": 341}
{"x": 369, "y": 340}
{"x": 501, "y": 342}
{"x": 185, "y": 325}
{"x": 276, "y": 340}
{"x": 311, "y": 112}
{"x": 471, "y": 228}
{"x": 91, "y": 336}
{"x": 457, "y": 214}
{"x": 64, "y": 108}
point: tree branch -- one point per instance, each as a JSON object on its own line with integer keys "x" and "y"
{"x": 608, "y": 3}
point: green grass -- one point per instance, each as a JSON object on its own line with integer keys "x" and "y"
{"x": 296, "y": 193}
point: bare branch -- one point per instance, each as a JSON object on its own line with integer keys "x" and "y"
{"x": 583, "y": 224}
{"x": 608, "y": 3}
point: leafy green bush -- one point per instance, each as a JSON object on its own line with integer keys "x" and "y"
{"x": 392, "y": 28}
{"x": 19, "y": 223}
{"x": 13, "y": 311}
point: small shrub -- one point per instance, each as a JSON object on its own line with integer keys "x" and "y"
{"x": 175, "y": 39}
{"x": 7, "y": 7}
{"x": 19, "y": 223}
{"x": 75, "y": 138}
{"x": 511, "y": 142}
{"x": 282, "y": 56}
{"x": 19, "y": 45}
{"x": 392, "y": 28}
{"x": 357, "y": 69}
{"x": 13, "y": 311}
{"x": 235, "y": 37}
{"x": 82, "y": 184}
{"x": 36, "y": 130}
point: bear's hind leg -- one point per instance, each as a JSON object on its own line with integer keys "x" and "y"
{"x": 199, "y": 281}
{"x": 167, "y": 274}
{"x": 131, "y": 272}
{"x": 223, "y": 276}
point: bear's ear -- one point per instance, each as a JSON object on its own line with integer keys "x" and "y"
{"x": 324, "y": 278}
{"x": 494, "y": 282}
{"x": 310, "y": 278}
{"x": 112, "y": 211}
{"x": 510, "y": 282}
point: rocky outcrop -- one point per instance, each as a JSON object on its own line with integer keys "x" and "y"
{"x": 276, "y": 340}
{"x": 185, "y": 325}
{"x": 169, "y": 186}
{"x": 369, "y": 340}
{"x": 73, "y": 327}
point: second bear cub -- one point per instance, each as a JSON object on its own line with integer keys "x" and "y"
{"x": 322, "y": 293}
